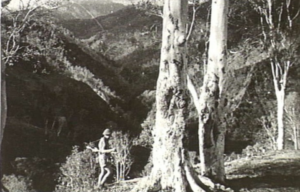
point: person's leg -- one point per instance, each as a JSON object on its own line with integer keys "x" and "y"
{"x": 100, "y": 176}
{"x": 108, "y": 171}
{"x": 102, "y": 164}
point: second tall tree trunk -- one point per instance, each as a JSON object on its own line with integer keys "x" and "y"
{"x": 212, "y": 122}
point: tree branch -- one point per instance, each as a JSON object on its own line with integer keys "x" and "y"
{"x": 192, "y": 89}
{"x": 193, "y": 19}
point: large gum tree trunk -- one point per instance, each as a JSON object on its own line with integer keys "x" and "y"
{"x": 171, "y": 171}
{"x": 211, "y": 118}
{"x": 171, "y": 100}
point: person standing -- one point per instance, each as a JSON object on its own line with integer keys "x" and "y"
{"x": 103, "y": 156}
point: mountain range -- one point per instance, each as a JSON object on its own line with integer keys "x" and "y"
{"x": 87, "y": 9}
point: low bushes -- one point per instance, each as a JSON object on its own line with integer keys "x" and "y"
{"x": 17, "y": 183}
{"x": 81, "y": 169}
{"x": 79, "y": 172}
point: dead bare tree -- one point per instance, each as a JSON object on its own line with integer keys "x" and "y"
{"x": 20, "y": 19}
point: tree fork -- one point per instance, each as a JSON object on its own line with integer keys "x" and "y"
{"x": 171, "y": 168}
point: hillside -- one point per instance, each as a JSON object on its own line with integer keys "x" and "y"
{"x": 71, "y": 58}
{"x": 87, "y": 9}
{"x": 56, "y": 76}
{"x": 132, "y": 39}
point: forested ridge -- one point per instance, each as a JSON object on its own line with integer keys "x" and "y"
{"x": 103, "y": 72}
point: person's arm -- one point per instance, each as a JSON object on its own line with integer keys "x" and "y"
{"x": 93, "y": 149}
{"x": 101, "y": 147}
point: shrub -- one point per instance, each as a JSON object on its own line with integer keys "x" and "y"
{"x": 17, "y": 183}
{"x": 79, "y": 173}
{"x": 122, "y": 159}
{"x": 292, "y": 109}
{"x": 259, "y": 149}
{"x": 270, "y": 131}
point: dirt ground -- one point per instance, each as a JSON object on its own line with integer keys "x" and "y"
{"x": 277, "y": 171}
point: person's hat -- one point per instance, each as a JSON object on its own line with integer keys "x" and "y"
{"x": 107, "y": 132}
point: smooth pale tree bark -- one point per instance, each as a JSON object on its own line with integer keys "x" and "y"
{"x": 211, "y": 119}
{"x": 235, "y": 84}
{"x": 279, "y": 81}
{"x": 280, "y": 113}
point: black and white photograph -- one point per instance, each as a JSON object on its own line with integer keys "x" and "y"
{"x": 150, "y": 96}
